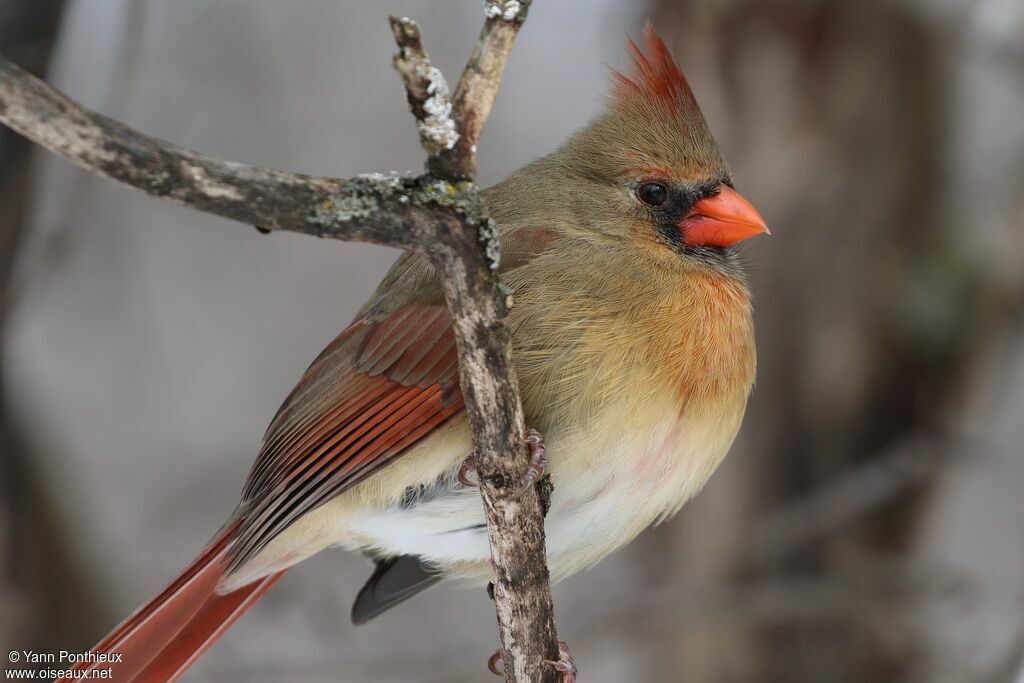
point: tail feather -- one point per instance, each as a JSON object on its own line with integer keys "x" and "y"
{"x": 215, "y": 617}
{"x": 164, "y": 636}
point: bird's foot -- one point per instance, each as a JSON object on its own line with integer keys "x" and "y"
{"x": 564, "y": 665}
{"x": 538, "y": 462}
{"x": 534, "y": 471}
{"x": 492, "y": 663}
{"x": 468, "y": 465}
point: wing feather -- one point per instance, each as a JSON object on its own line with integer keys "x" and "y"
{"x": 379, "y": 388}
{"x": 384, "y": 384}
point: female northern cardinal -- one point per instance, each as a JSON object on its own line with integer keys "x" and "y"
{"x": 634, "y": 346}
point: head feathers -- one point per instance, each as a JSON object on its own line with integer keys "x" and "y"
{"x": 652, "y": 128}
{"x": 654, "y": 112}
{"x": 658, "y": 79}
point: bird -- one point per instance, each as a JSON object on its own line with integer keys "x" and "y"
{"x": 633, "y": 341}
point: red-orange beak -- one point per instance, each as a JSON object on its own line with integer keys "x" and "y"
{"x": 720, "y": 220}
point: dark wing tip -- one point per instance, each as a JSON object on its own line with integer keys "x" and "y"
{"x": 394, "y": 581}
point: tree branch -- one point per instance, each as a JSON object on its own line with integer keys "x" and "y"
{"x": 440, "y": 215}
{"x": 478, "y": 86}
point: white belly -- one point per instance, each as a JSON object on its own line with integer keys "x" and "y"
{"x": 618, "y": 483}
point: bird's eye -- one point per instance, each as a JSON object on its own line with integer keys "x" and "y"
{"x": 652, "y": 194}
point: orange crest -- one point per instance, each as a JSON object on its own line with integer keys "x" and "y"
{"x": 658, "y": 79}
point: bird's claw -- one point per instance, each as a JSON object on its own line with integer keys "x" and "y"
{"x": 534, "y": 471}
{"x": 564, "y": 665}
{"x": 468, "y": 465}
{"x": 492, "y": 663}
{"x": 538, "y": 463}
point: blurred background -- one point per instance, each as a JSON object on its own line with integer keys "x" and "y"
{"x": 869, "y": 523}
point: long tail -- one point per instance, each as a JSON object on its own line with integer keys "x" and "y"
{"x": 166, "y": 635}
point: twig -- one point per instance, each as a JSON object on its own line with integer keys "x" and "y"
{"x": 479, "y": 84}
{"x": 850, "y": 496}
{"x": 440, "y": 215}
{"x": 521, "y": 586}
{"x": 42, "y": 263}
{"x": 866, "y": 488}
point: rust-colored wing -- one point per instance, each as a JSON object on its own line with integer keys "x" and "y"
{"x": 380, "y": 387}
